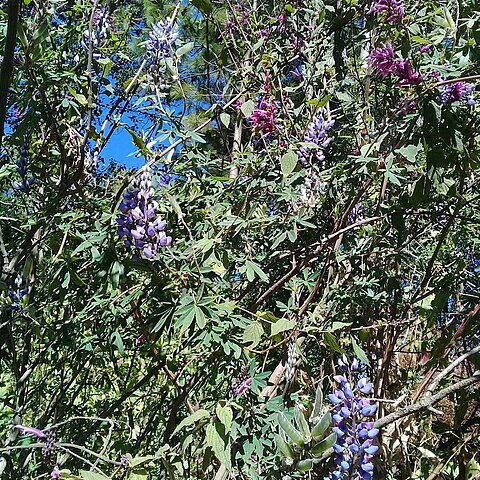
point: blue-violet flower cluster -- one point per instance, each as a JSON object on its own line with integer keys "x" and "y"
{"x": 139, "y": 223}
{"x": 102, "y": 23}
{"x": 457, "y": 91}
{"x": 18, "y": 293}
{"x": 355, "y": 431}
{"x": 22, "y": 166}
{"x": 161, "y": 39}
{"x": 317, "y": 133}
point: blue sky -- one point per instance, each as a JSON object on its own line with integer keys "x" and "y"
{"x": 121, "y": 149}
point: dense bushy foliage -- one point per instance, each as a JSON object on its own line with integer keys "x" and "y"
{"x": 288, "y": 288}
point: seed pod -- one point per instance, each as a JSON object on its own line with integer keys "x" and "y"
{"x": 285, "y": 448}
{"x": 305, "y": 465}
{"x": 325, "y": 444}
{"x": 317, "y": 408}
{"x": 302, "y": 423}
{"x": 292, "y": 433}
{"x": 319, "y": 429}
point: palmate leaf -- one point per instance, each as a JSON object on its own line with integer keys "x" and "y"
{"x": 252, "y": 334}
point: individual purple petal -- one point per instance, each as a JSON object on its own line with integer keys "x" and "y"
{"x": 166, "y": 241}
{"x": 364, "y": 386}
{"x": 336, "y": 417}
{"x": 367, "y": 467}
{"x": 334, "y": 399}
{"x": 345, "y": 412}
{"x": 371, "y": 450}
{"x": 55, "y": 474}
{"x": 147, "y": 251}
{"x": 30, "y": 430}
{"x": 124, "y": 207}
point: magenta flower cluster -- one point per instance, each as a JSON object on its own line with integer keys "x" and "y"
{"x": 262, "y": 119}
{"x": 139, "y": 223}
{"x": 242, "y": 382}
{"x": 317, "y": 133}
{"x": 457, "y": 91}
{"x": 356, "y": 434}
{"x": 392, "y": 10}
{"x": 384, "y": 63}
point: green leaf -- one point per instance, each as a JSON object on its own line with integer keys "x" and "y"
{"x": 79, "y": 97}
{"x": 117, "y": 340}
{"x": 137, "y": 140}
{"x": 225, "y": 415}
{"x": 248, "y": 108}
{"x": 92, "y": 475}
{"x": 138, "y": 475}
{"x": 175, "y": 205}
{"x": 288, "y": 162}
{"x": 318, "y": 405}
{"x": 253, "y": 268}
{"x": 205, "y": 6}
{"x": 7, "y": 171}
{"x": 302, "y": 423}
{"x": 305, "y": 465}
{"x": 137, "y": 461}
{"x": 331, "y": 341}
{"x": 107, "y": 65}
{"x": 225, "y": 118}
{"x": 281, "y": 325}
{"x": 199, "y": 317}
{"x": 215, "y": 441}
{"x": 185, "y": 49}
{"x": 359, "y": 352}
{"x": 410, "y": 152}
{"x": 253, "y": 334}
{"x": 194, "y": 417}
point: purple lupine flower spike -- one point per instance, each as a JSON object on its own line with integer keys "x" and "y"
{"x": 355, "y": 431}
{"x": 138, "y": 221}
{"x": 317, "y": 133}
{"x": 22, "y": 168}
{"x": 161, "y": 39}
{"x": 455, "y": 92}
